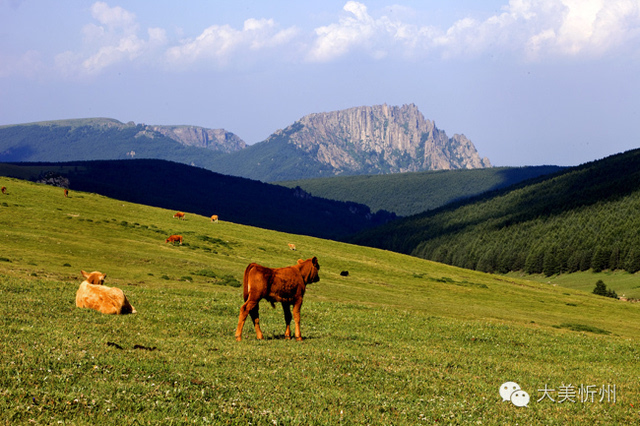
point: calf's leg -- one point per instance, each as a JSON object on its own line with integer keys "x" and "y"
{"x": 296, "y": 318}
{"x": 286, "y": 307}
{"x": 244, "y": 311}
{"x": 255, "y": 317}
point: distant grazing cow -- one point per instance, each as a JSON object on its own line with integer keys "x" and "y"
{"x": 66, "y": 193}
{"x": 285, "y": 285}
{"x": 173, "y": 239}
{"x": 4, "y": 189}
{"x": 292, "y": 246}
{"x": 179, "y": 215}
{"x": 93, "y": 294}
{"x": 214, "y": 218}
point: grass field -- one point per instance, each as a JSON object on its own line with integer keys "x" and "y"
{"x": 399, "y": 341}
{"x": 622, "y": 282}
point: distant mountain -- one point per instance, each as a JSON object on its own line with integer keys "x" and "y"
{"x": 108, "y": 139}
{"x": 406, "y": 194}
{"x": 378, "y": 139}
{"x": 214, "y": 139}
{"x": 177, "y": 186}
{"x": 363, "y": 140}
{"x": 581, "y": 218}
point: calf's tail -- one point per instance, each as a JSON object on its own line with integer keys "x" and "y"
{"x": 245, "y": 281}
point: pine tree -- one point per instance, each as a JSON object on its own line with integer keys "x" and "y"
{"x": 601, "y": 288}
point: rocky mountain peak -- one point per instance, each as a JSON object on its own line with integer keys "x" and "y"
{"x": 200, "y": 137}
{"x": 380, "y": 139}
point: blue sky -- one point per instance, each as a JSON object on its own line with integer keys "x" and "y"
{"x": 530, "y": 82}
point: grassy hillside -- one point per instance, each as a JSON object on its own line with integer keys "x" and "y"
{"x": 407, "y": 194}
{"x": 400, "y": 340}
{"x": 180, "y": 187}
{"x": 584, "y": 218}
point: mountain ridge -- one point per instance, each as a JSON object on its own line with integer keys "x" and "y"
{"x": 377, "y": 139}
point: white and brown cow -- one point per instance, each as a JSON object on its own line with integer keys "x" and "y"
{"x": 93, "y": 294}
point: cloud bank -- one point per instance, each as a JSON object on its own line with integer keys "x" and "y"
{"x": 529, "y": 30}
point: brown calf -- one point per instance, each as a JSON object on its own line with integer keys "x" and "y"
{"x": 66, "y": 193}
{"x": 173, "y": 239}
{"x": 285, "y": 285}
{"x": 179, "y": 215}
{"x": 292, "y": 246}
{"x": 93, "y": 294}
{"x": 214, "y": 218}
{"x": 4, "y": 189}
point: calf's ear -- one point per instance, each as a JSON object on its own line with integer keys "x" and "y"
{"x": 84, "y": 274}
{"x": 300, "y": 261}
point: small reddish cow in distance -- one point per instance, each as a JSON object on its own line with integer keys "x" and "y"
{"x": 4, "y": 189}
{"x": 285, "y": 285}
{"x": 292, "y": 246}
{"x": 66, "y": 193}
{"x": 179, "y": 215}
{"x": 214, "y": 218}
{"x": 174, "y": 238}
{"x": 93, "y": 294}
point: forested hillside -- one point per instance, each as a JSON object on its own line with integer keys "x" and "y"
{"x": 587, "y": 217}
{"x": 411, "y": 193}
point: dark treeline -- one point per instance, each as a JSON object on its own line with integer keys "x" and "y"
{"x": 587, "y": 217}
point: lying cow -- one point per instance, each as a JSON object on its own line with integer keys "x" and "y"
{"x": 179, "y": 215}
{"x": 93, "y": 294}
{"x": 285, "y": 285}
{"x": 174, "y": 238}
{"x": 292, "y": 246}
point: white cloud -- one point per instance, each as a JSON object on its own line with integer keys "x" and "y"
{"x": 526, "y": 29}
{"x": 113, "y": 16}
{"x": 128, "y": 48}
{"x": 218, "y": 43}
{"x": 543, "y": 28}
{"x": 589, "y": 28}
{"x": 532, "y": 28}
{"x": 113, "y": 40}
{"x": 356, "y": 29}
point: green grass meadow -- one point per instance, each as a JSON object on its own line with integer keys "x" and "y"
{"x": 399, "y": 341}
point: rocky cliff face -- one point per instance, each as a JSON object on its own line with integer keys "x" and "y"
{"x": 215, "y": 139}
{"x": 380, "y": 139}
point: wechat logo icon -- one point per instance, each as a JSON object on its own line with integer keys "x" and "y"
{"x": 510, "y": 391}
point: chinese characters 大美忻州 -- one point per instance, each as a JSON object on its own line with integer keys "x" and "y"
{"x": 583, "y": 393}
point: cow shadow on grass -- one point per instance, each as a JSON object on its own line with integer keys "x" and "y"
{"x": 281, "y": 337}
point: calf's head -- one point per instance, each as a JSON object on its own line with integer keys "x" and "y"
{"x": 309, "y": 269}
{"x": 94, "y": 277}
